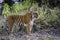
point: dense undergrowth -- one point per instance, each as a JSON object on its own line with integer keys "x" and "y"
{"x": 46, "y": 15}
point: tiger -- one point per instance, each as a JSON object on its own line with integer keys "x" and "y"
{"x": 27, "y": 19}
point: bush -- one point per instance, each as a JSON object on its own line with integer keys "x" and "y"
{"x": 49, "y": 18}
{"x": 6, "y": 9}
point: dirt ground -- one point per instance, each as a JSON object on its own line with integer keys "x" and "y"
{"x": 32, "y": 36}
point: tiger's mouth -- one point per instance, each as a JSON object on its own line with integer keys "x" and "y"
{"x": 35, "y": 15}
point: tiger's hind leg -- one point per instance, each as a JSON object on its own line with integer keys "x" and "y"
{"x": 15, "y": 27}
{"x": 10, "y": 25}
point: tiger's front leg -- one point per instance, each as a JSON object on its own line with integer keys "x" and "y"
{"x": 30, "y": 26}
{"x": 9, "y": 30}
{"x": 28, "y": 29}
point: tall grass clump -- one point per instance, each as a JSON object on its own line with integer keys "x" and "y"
{"x": 6, "y": 9}
{"x": 15, "y": 8}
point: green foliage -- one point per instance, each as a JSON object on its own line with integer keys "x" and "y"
{"x": 34, "y": 5}
{"x": 6, "y": 9}
{"x": 26, "y": 4}
{"x": 15, "y": 8}
{"x": 48, "y": 18}
{"x": 18, "y": 8}
{"x": 41, "y": 15}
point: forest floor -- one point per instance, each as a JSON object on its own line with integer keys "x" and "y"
{"x": 42, "y": 34}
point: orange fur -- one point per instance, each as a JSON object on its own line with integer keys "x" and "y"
{"x": 21, "y": 19}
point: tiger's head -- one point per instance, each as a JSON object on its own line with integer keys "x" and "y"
{"x": 32, "y": 15}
